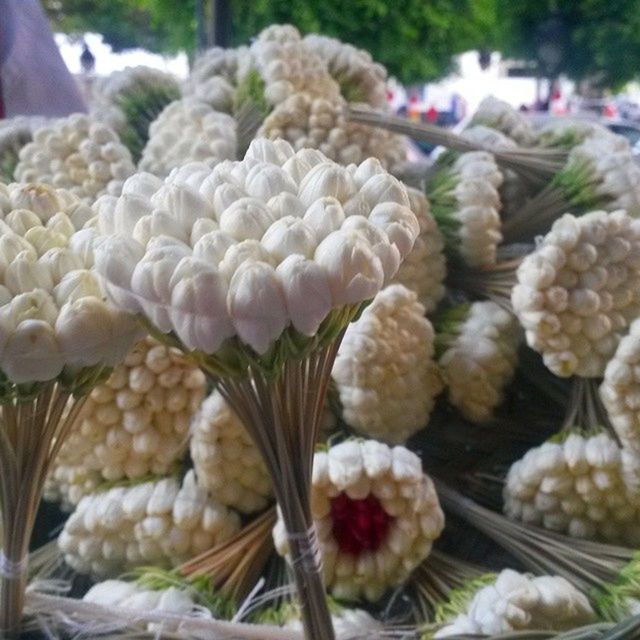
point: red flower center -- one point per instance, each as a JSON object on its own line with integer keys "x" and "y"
{"x": 359, "y": 525}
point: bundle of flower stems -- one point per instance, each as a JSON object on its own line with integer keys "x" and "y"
{"x": 536, "y": 166}
{"x": 482, "y": 329}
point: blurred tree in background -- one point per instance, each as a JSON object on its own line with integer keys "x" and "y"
{"x": 415, "y": 39}
{"x": 161, "y": 26}
{"x": 594, "y": 40}
{"x": 597, "y": 40}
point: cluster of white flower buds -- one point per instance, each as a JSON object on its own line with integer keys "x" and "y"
{"x": 579, "y": 290}
{"x": 237, "y": 250}
{"x": 501, "y": 116}
{"x": 385, "y": 371}
{"x": 188, "y": 130}
{"x": 479, "y": 357}
{"x": 225, "y": 459}
{"x": 348, "y": 624}
{"x": 603, "y": 171}
{"x": 133, "y": 596}
{"x": 15, "y": 133}
{"x": 516, "y": 601}
{"x": 146, "y": 85}
{"x": 620, "y": 390}
{"x": 321, "y": 123}
{"x": 466, "y": 203}
{"x": 376, "y": 515}
{"x": 53, "y": 315}
{"x": 79, "y": 154}
{"x": 360, "y": 78}
{"x": 288, "y": 66}
{"x": 578, "y": 487}
{"x": 215, "y": 75}
{"x": 565, "y": 133}
{"x": 490, "y": 139}
{"x": 133, "y": 425}
{"x": 424, "y": 269}
{"x": 158, "y": 523}
{"x": 514, "y": 191}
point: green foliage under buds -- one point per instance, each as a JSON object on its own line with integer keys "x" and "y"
{"x": 201, "y": 588}
{"x": 460, "y": 598}
{"x": 615, "y": 600}
{"x": 250, "y": 93}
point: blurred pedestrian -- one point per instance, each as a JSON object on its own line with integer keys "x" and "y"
{"x": 87, "y": 59}
{"x": 34, "y": 79}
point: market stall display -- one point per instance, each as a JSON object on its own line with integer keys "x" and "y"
{"x": 281, "y": 392}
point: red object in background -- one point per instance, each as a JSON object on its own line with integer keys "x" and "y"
{"x": 359, "y": 525}
{"x": 432, "y": 114}
{"x": 413, "y": 109}
{"x": 609, "y": 110}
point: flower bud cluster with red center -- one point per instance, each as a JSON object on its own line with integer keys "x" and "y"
{"x": 359, "y": 525}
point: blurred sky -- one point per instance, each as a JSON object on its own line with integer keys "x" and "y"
{"x": 107, "y": 61}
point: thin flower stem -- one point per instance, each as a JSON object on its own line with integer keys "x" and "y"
{"x": 283, "y": 416}
{"x": 537, "y": 215}
{"x": 537, "y": 166}
{"x": 587, "y": 565}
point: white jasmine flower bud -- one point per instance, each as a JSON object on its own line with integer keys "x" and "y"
{"x": 198, "y": 308}
{"x": 288, "y": 236}
{"x": 40, "y": 199}
{"x": 257, "y": 305}
{"x": 212, "y": 246}
{"x": 31, "y": 353}
{"x": 307, "y": 293}
{"x": 25, "y": 274}
{"x": 141, "y": 184}
{"x": 285, "y": 204}
{"x": 265, "y": 181}
{"x": 150, "y": 281}
{"x": 85, "y": 330}
{"x": 382, "y": 187}
{"x": 355, "y": 273}
{"x": 325, "y": 215}
{"x": 269, "y": 151}
{"x": 242, "y": 252}
{"x": 326, "y": 179}
{"x": 379, "y": 242}
{"x": 116, "y": 258}
{"x": 246, "y": 219}
{"x": 399, "y": 223}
